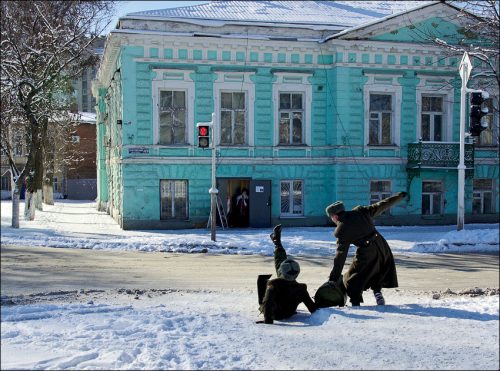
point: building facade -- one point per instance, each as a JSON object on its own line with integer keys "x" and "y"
{"x": 343, "y": 104}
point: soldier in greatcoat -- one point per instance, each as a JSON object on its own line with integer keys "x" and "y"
{"x": 283, "y": 294}
{"x": 373, "y": 263}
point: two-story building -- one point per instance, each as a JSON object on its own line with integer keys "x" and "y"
{"x": 314, "y": 101}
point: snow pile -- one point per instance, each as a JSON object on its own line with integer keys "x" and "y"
{"x": 217, "y": 330}
{"x": 77, "y": 224}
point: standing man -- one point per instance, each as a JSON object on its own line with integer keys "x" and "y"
{"x": 373, "y": 264}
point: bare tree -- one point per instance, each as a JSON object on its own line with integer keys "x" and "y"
{"x": 43, "y": 43}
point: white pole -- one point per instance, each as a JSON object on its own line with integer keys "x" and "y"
{"x": 461, "y": 165}
{"x": 213, "y": 191}
{"x": 465, "y": 69}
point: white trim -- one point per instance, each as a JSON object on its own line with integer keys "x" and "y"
{"x": 395, "y": 90}
{"x": 161, "y": 82}
{"x": 226, "y": 82}
{"x": 425, "y": 88}
{"x": 300, "y": 87}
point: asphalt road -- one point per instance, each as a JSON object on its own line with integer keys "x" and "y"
{"x": 32, "y": 270}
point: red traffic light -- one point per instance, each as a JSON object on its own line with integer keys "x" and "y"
{"x": 203, "y": 139}
{"x": 203, "y": 131}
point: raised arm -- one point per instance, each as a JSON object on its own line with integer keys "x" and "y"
{"x": 379, "y": 207}
{"x": 279, "y": 257}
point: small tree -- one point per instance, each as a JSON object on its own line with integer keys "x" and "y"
{"x": 43, "y": 43}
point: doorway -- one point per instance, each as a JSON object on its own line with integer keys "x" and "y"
{"x": 235, "y": 196}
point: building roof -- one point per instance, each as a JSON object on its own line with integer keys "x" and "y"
{"x": 343, "y": 14}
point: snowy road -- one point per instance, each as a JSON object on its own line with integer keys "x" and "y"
{"x": 28, "y": 270}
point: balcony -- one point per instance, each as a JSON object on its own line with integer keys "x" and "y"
{"x": 438, "y": 155}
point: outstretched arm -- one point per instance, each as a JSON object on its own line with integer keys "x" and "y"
{"x": 379, "y": 207}
{"x": 339, "y": 260}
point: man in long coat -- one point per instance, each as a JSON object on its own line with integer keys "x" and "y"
{"x": 373, "y": 264}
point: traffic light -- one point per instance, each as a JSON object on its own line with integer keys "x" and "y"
{"x": 477, "y": 111}
{"x": 203, "y": 138}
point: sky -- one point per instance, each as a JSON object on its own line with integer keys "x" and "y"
{"x": 217, "y": 329}
{"x": 125, "y": 7}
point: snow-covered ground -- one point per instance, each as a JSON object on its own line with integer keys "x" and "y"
{"x": 167, "y": 329}
{"x": 77, "y": 224}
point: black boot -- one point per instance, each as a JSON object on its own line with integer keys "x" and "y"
{"x": 276, "y": 235}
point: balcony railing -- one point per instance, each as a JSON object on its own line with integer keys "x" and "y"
{"x": 438, "y": 155}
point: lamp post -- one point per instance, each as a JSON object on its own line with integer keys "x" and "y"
{"x": 213, "y": 190}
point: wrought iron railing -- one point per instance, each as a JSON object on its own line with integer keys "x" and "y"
{"x": 438, "y": 155}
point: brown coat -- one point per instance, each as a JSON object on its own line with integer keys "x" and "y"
{"x": 373, "y": 264}
{"x": 282, "y": 297}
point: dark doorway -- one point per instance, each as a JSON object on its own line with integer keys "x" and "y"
{"x": 235, "y": 198}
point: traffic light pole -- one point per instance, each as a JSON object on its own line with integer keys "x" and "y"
{"x": 213, "y": 190}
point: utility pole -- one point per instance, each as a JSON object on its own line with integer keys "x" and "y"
{"x": 213, "y": 190}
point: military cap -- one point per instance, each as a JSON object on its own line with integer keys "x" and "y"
{"x": 335, "y": 208}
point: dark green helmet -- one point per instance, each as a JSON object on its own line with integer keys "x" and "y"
{"x": 331, "y": 294}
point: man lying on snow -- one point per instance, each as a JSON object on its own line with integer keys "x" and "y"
{"x": 283, "y": 294}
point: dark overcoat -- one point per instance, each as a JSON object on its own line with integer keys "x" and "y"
{"x": 373, "y": 263}
{"x": 282, "y": 296}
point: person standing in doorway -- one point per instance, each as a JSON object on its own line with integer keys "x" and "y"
{"x": 242, "y": 208}
{"x": 373, "y": 264}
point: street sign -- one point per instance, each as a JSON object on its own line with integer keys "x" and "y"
{"x": 465, "y": 68}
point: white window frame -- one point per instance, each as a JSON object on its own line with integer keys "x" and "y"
{"x": 384, "y": 84}
{"x": 169, "y": 79}
{"x": 293, "y": 83}
{"x": 433, "y": 115}
{"x": 245, "y": 141}
{"x": 427, "y": 87}
{"x": 291, "y": 214}
{"x": 236, "y": 82}
{"x": 479, "y": 194}
{"x": 431, "y": 194}
{"x": 172, "y": 182}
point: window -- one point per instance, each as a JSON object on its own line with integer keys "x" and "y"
{"x": 432, "y": 198}
{"x": 380, "y": 130}
{"x": 291, "y": 197}
{"x": 233, "y": 116}
{"x": 18, "y": 146}
{"x": 291, "y": 113}
{"x": 482, "y": 196}
{"x": 173, "y": 199}
{"x": 380, "y": 189}
{"x": 172, "y": 117}
{"x": 487, "y": 136}
{"x": 6, "y": 184}
{"x": 432, "y": 118}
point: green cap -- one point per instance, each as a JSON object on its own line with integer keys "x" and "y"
{"x": 335, "y": 208}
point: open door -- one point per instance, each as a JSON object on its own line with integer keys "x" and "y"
{"x": 260, "y": 203}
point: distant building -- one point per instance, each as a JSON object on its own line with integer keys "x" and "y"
{"x": 314, "y": 102}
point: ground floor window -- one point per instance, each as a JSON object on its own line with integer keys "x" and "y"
{"x": 173, "y": 199}
{"x": 482, "y": 196}
{"x": 291, "y": 198}
{"x": 6, "y": 184}
{"x": 432, "y": 198}
{"x": 380, "y": 189}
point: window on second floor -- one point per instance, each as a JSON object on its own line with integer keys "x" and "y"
{"x": 233, "y": 118}
{"x": 18, "y": 146}
{"x": 291, "y": 118}
{"x": 432, "y": 118}
{"x": 172, "y": 117}
{"x": 381, "y": 119}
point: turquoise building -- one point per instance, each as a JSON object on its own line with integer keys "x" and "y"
{"x": 314, "y": 102}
